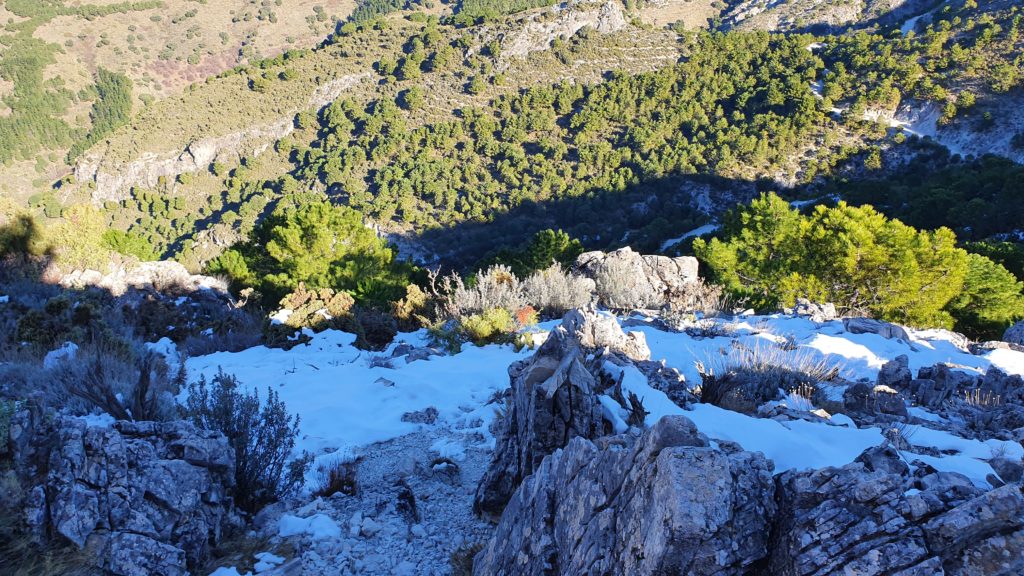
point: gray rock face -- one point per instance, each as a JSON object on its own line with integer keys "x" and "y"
{"x": 144, "y": 497}
{"x": 872, "y": 326}
{"x": 859, "y": 519}
{"x": 939, "y": 383}
{"x": 628, "y": 280}
{"x": 895, "y": 373}
{"x": 1015, "y": 334}
{"x": 553, "y": 399}
{"x": 663, "y": 503}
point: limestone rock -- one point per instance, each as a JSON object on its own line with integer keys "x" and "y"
{"x": 859, "y": 519}
{"x": 872, "y": 326}
{"x": 144, "y": 497}
{"x": 165, "y": 275}
{"x": 895, "y": 373}
{"x": 663, "y": 503}
{"x": 595, "y": 330}
{"x": 628, "y": 280}
{"x": 814, "y": 311}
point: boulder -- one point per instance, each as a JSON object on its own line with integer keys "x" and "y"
{"x": 594, "y": 330}
{"x": 662, "y": 503}
{"x": 939, "y": 383}
{"x": 895, "y": 373}
{"x": 142, "y": 497}
{"x": 814, "y": 311}
{"x": 1015, "y": 334}
{"x": 865, "y": 399}
{"x": 628, "y": 280}
{"x": 872, "y": 326}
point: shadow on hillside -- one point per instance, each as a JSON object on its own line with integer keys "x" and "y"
{"x": 641, "y": 216}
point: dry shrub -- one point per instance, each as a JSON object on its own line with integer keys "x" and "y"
{"x": 462, "y": 559}
{"x": 749, "y": 377}
{"x": 496, "y": 287}
{"x": 127, "y": 387}
{"x": 700, "y": 296}
{"x": 315, "y": 308}
{"x": 338, "y": 476}
{"x": 554, "y": 291}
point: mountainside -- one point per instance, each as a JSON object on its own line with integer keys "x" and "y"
{"x": 489, "y": 287}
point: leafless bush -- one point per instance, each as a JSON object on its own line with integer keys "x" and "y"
{"x": 700, "y": 296}
{"x": 555, "y": 291}
{"x": 337, "y": 476}
{"x": 552, "y": 292}
{"x": 381, "y": 361}
{"x": 710, "y": 328}
{"x": 748, "y": 377}
{"x": 240, "y": 329}
{"x": 496, "y": 287}
{"x": 127, "y": 388}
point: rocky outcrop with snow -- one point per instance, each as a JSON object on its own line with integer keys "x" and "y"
{"x": 138, "y": 497}
{"x": 628, "y": 280}
{"x": 874, "y": 517}
{"x": 666, "y": 502}
{"x": 164, "y": 275}
{"x": 553, "y": 398}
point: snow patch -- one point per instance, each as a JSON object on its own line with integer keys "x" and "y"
{"x": 318, "y": 527}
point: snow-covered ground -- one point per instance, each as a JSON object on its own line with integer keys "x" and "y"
{"x": 348, "y": 402}
{"x": 352, "y": 406}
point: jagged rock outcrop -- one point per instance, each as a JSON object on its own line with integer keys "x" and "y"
{"x": 628, "y": 280}
{"x": 139, "y": 497}
{"x": 895, "y": 373}
{"x": 553, "y": 399}
{"x": 870, "y": 517}
{"x": 163, "y": 275}
{"x": 662, "y": 503}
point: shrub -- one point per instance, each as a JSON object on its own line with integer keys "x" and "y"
{"x": 496, "y": 287}
{"x": 125, "y": 387}
{"x": 493, "y": 325}
{"x": 855, "y": 257}
{"x": 749, "y": 377}
{"x": 262, "y": 435}
{"x": 462, "y": 559}
{"x": 554, "y": 291}
{"x": 315, "y": 308}
{"x": 338, "y": 476}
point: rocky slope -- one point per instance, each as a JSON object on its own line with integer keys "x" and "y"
{"x": 590, "y": 454}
